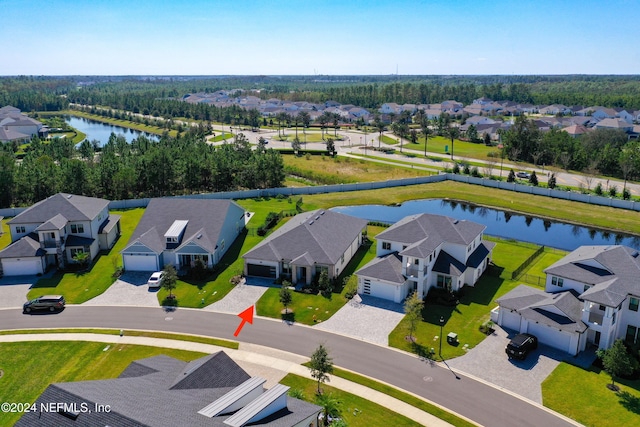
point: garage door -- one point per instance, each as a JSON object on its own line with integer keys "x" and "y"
{"x": 379, "y": 290}
{"x": 510, "y": 320}
{"x": 140, "y": 262}
{"x": 21, "y": 268}
{"x": 261, "y": 270}
{"x": 551, "y": 336}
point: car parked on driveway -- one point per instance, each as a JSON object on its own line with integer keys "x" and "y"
{"x": 521, "y": 345}
{"x": 155, "y": 281}
{"x": 523, "y": 175}
{"x": 45, "y": 302}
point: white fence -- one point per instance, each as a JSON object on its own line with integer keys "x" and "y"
{"x": 339, "y": 188}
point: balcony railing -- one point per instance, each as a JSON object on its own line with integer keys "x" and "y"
{"x": 50, "y": 243}
{"x": 413, "y": 271}
{"x": 595, "y": 317}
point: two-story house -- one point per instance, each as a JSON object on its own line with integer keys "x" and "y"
{"x": 51, "y": 232}
{"x": 592, "y": 297}
{"x": 424, "y": 251}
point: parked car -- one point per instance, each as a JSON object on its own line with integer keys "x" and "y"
{"x": 521, "y": 345}
{"x": 523, "y": 175}
{"x": 44, "y": 302}
{"x": 155, "y": 281}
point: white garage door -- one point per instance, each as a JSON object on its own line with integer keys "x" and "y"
{"x": 510, "y": 320}
{"x": 379, "y": 290}
{"x": 21, "y": 268}
{"x": 140, "y": 262}
{"x": 551, "y": 336}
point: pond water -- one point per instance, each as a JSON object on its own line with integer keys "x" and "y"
{"x": 101, "y": 131}
{"x": 499, "y": 223}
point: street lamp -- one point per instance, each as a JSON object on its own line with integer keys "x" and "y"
{"x": 441, "y": 326}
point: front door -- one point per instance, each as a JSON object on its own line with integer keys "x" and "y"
{"x": 596, "y": 340}
{"x": 302, "y": 274}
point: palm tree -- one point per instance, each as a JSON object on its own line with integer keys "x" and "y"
{"x": 330, "y": 406}
{"x": 305, "y": 118}
{"x": 380, "y": 126}
{"x": 323, "y": 120}
{"x": 453, "y": 133}
{"x": 426, "y": 131}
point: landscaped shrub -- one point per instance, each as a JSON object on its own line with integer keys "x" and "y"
{"x": 626, "y": 195}
{"x": 533, "y": 179}
{"x": 552, "y": 181}
{"x": 466, "y": 169}
{"x": 613, "y": 191}
{"x": 598, "y": 190}
{"x": 456, "y": 169}
{"x": 475, "y": 173}
{"x": 512, "y": 176}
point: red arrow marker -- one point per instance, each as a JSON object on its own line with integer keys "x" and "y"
{"x": 246, "y": 316}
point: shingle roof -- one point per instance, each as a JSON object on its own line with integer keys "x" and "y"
{"x": 447, "y": 264}
{"x": 142, "y": 396}
{"x": 206, "y": 218}
{"x": 612, "y": 271}
{"x": 561, "y": 310}
{"x": 320, "y": 236}
{"x": 56, "y": 223}
{"x": 387, "y": 268}
{"x": 72, "y": 207}
{"x": 28, "y": 246}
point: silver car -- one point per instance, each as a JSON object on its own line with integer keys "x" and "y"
{"x": 155, "y": 281}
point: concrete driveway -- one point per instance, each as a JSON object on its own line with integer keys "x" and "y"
{"x": 489, "y": 362}
{"x": 238, "y": 299}
{"x": 372, "y": 320}
{"x": 130, "y": 289}
{"x": 14, "y": 289}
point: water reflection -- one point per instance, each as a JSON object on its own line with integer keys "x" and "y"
{"x": 499, "y": 223}
{"x": 102, "y": 131}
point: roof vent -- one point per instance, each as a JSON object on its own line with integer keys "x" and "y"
{"x": 321, "y": 212}
{"x": 455, "y": 221}
{"x": 199, "y": 236}
{"x": 635, "y": 254}
{"x": 310, "y": 222}
{"x": 69, "y": 196}
{"x": 318, "y": 217}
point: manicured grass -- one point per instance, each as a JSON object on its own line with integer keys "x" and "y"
{"x": 472, "y": 311}
{"x": 583, "y": 396}
{"x": 221, "y": 136}
{"x": 306, "y": 306}
{"x": 82, "y": 286}
{"x": 290, "y": 134}
{"x": 29, "y": 367}
{"x": 356, "y": 411}
{"x": 5, "y": 235}
{"x": 401, "y": 395}
{"x": 388, "y": 140}
{"x": 549, "y": 257}
{"x": 134, "y": 333}
{"x": 436, "y": 144}
{"x": 342, "y": 170}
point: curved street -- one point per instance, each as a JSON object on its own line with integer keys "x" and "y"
{"x": 486, "y": 405}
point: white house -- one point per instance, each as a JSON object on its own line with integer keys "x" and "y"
{"x": 600, "y": 290}
{"x": 51, "y": 232}
{"x": 306, "y": 245}
{"x": 424, "y": 251}
{"x": 179, "y": 231}
{"x": 15, "y": 126}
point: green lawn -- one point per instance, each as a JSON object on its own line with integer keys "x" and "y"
{"x": 289, "y": 135}
{"x": 29, "y": 367}
{"x": 80, "y": 287}
{"x": 473, "y": 310}
{"x": 535, "y": 274}
{"x": 5, "y": 235}
{"x": 306, "y": 306}
{"x": 356, "y": 411}
{"x": 583, "y": 396}
{"x": 436, "y": 144}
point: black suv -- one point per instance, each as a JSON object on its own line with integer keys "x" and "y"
{"x": 521, "y": 345}
{"x": 44, "y": 302}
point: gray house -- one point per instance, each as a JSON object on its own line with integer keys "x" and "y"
{"x": 306, "y": 245}
{"x": 212, "y": 391}
{"x": 179, "y": 231}
{"x": 51, "y": 232}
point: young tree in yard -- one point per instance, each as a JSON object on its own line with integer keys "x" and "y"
{"x": 295, "y": 144}
{"x": 552, "y": 181}
{"x": 512, "y": 176}
{"x": 324, "y": 283}
{"x": 285, "y": 295}
{"x": 169, "y": 279}
{"x": 413, "y": 310}
{"x": 617, "y": 361}
{"x": 533, "y": 179}
{"x": 321, "y": 365}
{"x": 331, "y": 147}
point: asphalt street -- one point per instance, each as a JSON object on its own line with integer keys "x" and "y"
{"x": 476, "y": 400}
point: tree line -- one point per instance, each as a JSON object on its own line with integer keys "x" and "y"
{"x": 143, "y": 168}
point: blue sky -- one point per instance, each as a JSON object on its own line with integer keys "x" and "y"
{"x": 114, "y": 37}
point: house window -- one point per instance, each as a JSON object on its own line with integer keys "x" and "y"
{"x": 75, "y": 251}
{"x": 633, "y": 304}
{"x": 586, "y": 287}
{"x": 222, "y": 245}
{"x": 444, "y": 282}
{"x": 602, "y": 307}
{"x": 77, "y": 228}
{"x": 632, "y": 334}
{"x": 613, "y": 319}
{"x": 416, "y": 261}
{"x": 21, "y": 229}
{"x": 386, "y": 246}
{"x": 557, "y": 281}
{"x": 321, "y": 268}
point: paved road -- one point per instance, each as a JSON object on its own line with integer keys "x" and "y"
{"x": 480, "y": 402}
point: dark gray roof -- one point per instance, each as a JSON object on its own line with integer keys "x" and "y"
{"x": 447, "y": 264}
{"x": 388, "y": 268}
{"x": 431, "y": 230}
{"x": 72, "y": 207}
{"x": 142, "y": 396}
{"x": 206, "y": 218}
{"x": 612, "y": 271}
{"x": 73, "y": 240}
{"x": 216, "y": 370}
{"x": 109, "y": 223}
{"x": 320, "y": 236}
{"x": 480, "y": 254}
{"x": 28, "y": 246}
{"x": 560, "y": 310}
{"x": 58, "y": 222}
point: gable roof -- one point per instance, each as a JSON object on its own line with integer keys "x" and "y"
{"x": 612, "y": 271}
{"x": 318, "y": 236}
{"x": 560, "y": 310}
{"x": 205, "y": 217}
{"x": 429, "y": 231}
{"x": 143, "y": 396}
{"x": 71, "y": 206}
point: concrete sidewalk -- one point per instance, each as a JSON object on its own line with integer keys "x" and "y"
{"x": 257, "y": 360}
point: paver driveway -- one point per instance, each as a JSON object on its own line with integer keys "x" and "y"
{"x": 130, "y": 289}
